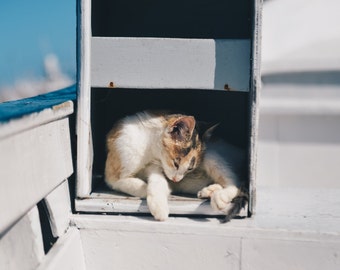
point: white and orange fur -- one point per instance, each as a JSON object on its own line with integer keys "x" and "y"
{"x": 151, "y": 155}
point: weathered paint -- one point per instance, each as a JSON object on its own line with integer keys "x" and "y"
{"x": 67, "y": 253}
{"x": 254, "y": 97}
{"x": 21, "y": 247}
{"x": 59, "y": 209}
{"x": 84, "y": 142}
{"x": 182, "y": 243}
{"x": 33, "y": 162}
{"x": 113, "y": 202}
{"x": 17, "y": 109}
{"x": 289, "y": 225}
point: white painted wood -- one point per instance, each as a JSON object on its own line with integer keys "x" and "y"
{"x": 309, "y": 210}
{"x": 299, "y": 164}
{"x": 84, "y": 139}
{"x": 170, "y": 63}
{"x": 160, "y": 63}
{"x": 262, "y": 254}
{"x": 254, "y": 227}
{"x": 157, "y": 249}
{"x": 183, "y": 243}
{"x": 254, "y": 98}
{"x": 299, "y": 209}
{"x": 33, "y": 162}
{"x": 59, "y": 209}
{"x": 21, "y": 247}
{"x": 112, "y": 202}
{"x": 299, "y": 146}
{"x": 289, "y": 224}
{"x": 35, "y": 119}
{"x": 66, "y": 253}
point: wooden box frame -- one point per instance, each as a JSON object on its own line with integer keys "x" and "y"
{"x": 153, "y": 61}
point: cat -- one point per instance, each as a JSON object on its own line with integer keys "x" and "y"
{"x": 151, "y": 155}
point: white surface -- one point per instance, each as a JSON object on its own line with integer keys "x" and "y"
{"x": 312, "y": 95}
{"x": 84, "y": 138}
{"x": 170, "y": 63}
{"x": 35, "y": 119}
{"x": 301, "y": 35}
{"x": 261, "y": 254}
{"x": 292, "y": 229}
{"x": 197, "y": 244}
{"x": 254, "y": 97}
{"x": 22, "y": 246}
{"x": 299, "y": 209}
{"x": 66, "y": 253}
{"x": 59, "y": 209}
{"x": 105, "y": 249}
{"x": 299, "y": 135}
{"x": 296, "y": 151}
{"x": 111, "y": 202}
{"x": 299, "y": 129}
{"x": 33, "y": 162}
{"x": 295, "y": 210}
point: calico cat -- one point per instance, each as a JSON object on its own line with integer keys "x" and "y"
{"x": 151, "y": 155}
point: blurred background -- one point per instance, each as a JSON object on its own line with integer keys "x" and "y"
{"x": 299, "y": 135}
{"x": 37, "y": 47}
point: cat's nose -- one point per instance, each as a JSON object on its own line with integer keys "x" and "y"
{"x": 174, "y": 179}
{"x": 177, "y": 178}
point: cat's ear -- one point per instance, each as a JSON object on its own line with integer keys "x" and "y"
{"x": 182, "y": 128}
{"x": 206, "y": 130}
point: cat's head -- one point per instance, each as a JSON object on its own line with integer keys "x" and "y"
{"x": 182, "y": 147}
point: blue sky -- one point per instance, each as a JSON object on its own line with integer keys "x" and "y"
{"x": 31, "y": 29}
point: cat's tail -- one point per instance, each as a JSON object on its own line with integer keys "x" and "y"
{"x": 238, "y": 203}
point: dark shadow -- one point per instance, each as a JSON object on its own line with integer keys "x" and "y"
{"x": 172, "y": 19}
{"x": 48, "y": 238}
{"x": 230, "y": 109}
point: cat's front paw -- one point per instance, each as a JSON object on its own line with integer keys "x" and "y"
{"x": 208, "y": 191}
{"x": 158, "y": 207}
{"x": 221, "y": 199}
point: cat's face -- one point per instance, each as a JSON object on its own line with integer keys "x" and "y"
{"x": 182, "y": 148}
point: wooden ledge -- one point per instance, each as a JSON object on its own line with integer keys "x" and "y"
{"x": 20, "y": 115}
{"x": 278, "y": 211}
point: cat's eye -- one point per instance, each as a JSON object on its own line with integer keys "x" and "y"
{"x": 176, "y": 163}
{"x": 192, "y": 164}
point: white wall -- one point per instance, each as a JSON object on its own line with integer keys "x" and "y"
{"x": 299, "y": 133}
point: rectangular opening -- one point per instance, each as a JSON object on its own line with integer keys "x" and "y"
{"x": 167, "y": 55}
{"x": 228, "y": 108}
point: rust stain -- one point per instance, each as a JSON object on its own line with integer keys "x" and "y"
{"x": 226, "y": 87}
{"x": 111, "y": 85}
{"x": 63, "y": 105}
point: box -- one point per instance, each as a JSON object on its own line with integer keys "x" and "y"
{"x": 200, "y": 57}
